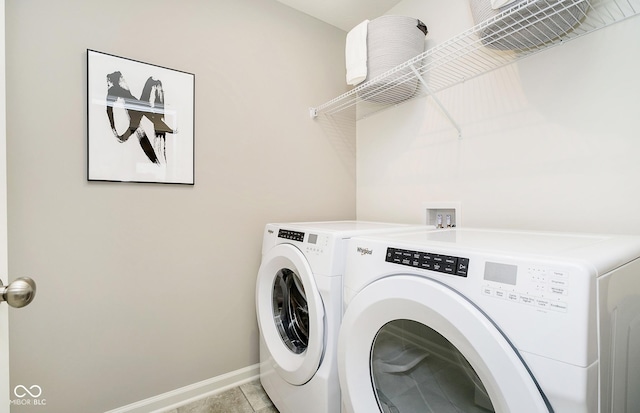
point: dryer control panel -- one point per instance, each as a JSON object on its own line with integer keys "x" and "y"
{"x": 540, "y": 286}
{"x": 428, "y": 261}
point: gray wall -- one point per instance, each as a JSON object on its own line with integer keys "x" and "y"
{"x": 145, "y": 288}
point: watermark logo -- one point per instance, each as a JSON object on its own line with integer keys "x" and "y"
{"x": 28, "y": 396}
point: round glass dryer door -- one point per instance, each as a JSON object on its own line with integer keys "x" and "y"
{"x": 290, "y": 314}
{"x": 291, "y": 310}
{"x": 414, "y": 368}
{"x": 412, "y": 344}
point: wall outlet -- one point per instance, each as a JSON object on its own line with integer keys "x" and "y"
{"x": 442, "y": 214}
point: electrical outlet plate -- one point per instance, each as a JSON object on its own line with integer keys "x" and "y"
{"x": 442, "y": 214}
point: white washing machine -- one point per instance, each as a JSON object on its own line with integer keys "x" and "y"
{"x": 299, "y": 309}
{"x": 465, "y": 320}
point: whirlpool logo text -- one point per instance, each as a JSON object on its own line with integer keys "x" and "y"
{"x": 364, "y": 251}
{"x": 28, "y": 395}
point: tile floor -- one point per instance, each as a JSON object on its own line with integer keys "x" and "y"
{"x": 247, "y": 398}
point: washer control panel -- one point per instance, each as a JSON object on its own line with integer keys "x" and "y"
{"x": 446, "y": 264}
{"x": 291, "y": 235}
{"x": 310, "y": 243}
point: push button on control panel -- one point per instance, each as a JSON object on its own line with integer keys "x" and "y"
{"x": 428, "y": 261}
{"x": 463, "y": 266}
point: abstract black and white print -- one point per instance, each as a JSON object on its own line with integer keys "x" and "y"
{"x": 140, "y": 121}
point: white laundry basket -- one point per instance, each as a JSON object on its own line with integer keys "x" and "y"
{"x": 391, "y": 41}
{"x": 532, "y": 22}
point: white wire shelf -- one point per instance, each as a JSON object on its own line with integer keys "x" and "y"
{"x": 485, "y": 47}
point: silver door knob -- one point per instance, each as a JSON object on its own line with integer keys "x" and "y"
{"x": 18, "y": 293}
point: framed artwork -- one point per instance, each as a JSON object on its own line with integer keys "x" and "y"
{"x": 140, "y": 121}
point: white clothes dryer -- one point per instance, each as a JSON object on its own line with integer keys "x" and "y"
{"x": 299, "y": 309}
{"x": 464, "y": 320}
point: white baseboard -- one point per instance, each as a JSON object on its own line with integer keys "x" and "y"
{"x": 192, "y": 392}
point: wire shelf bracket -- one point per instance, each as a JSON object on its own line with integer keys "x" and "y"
{"x": 435, "y": 99}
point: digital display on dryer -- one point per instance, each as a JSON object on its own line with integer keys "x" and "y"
{"x": 501, "y": 273}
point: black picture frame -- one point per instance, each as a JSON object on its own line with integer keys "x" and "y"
{"x": 140, "y": 121}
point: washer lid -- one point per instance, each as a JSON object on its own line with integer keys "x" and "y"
{"x": 290, "y": 313}
{"x": 508, "y": 381}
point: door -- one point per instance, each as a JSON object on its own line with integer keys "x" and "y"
{"x": 4, "y": 315}
{"x": 22, "y": 291}
{"x": 411, "y": 344}
{"x": 290, "y": 314}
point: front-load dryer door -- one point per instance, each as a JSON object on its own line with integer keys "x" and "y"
{"x": 290, "y": 314}
{"x": 410, "y": 344}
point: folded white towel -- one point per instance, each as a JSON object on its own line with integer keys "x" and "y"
{"x": 356, "y": 54}
{"x": 496, "y": 4}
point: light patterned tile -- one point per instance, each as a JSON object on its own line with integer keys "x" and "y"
{"x": 248, "y": 398}
{"x": 231, "y": 401}
{"x": 256, "y": 395}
